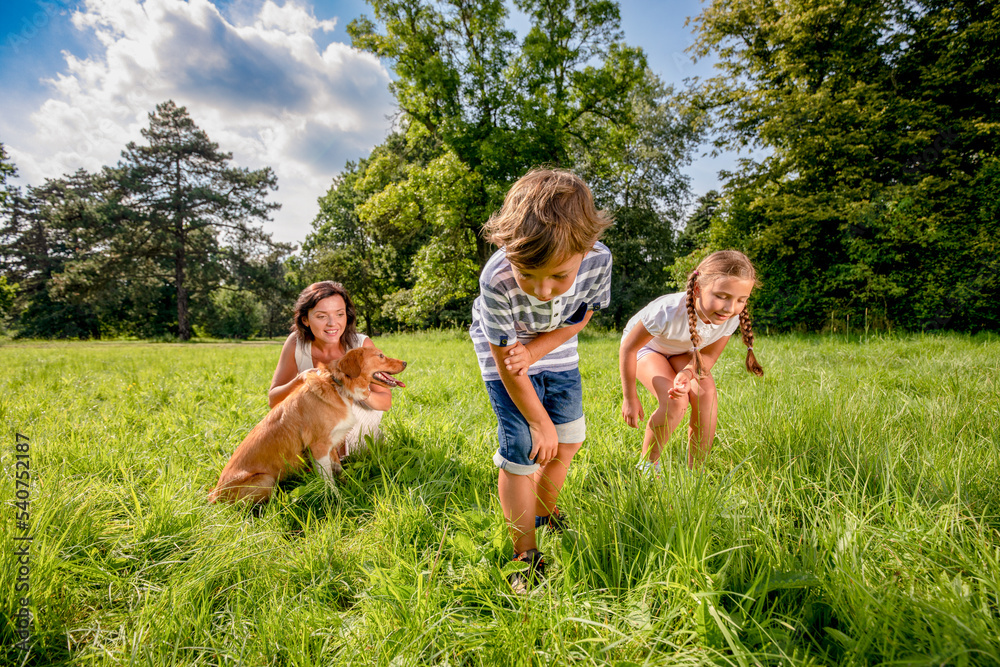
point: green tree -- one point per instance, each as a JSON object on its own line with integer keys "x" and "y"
{"x": 7, "y": 170}
{"x": 496, "y": 108}
{"x": 435, "y": 197}
{"x": 695, "y": 233}
{"x": 179, "y": 194}
{"x": 233, "y": 313}
{"x": 46, "y": 229}
{"x": 8, "y": 291}
{"x": 266, "y": 276}
{"x": 878, "y": 121}
{"x": 636, "y": 175}
{"x": 371, "y": 257}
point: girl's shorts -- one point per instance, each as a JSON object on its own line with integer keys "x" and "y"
{"x": 561, "y": 394}
{"x": 644, "y": 350}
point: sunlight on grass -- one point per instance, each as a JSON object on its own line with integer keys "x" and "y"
{"x": 848, "y": 514}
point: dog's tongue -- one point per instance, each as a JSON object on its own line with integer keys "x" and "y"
{"x": 390, "y": 379}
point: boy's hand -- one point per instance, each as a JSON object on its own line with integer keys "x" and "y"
{"x": 544, "y": 442}
{"x": 518, "y": 359}
{"x": 682, "y": 384}
{"x": 632, "y": 411}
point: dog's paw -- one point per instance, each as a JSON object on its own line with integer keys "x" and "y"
{"x": 329, "y": 469}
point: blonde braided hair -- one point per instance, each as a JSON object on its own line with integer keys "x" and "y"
{"x": 722, "y": 264}
{"x": 693, "y": 321}
{"x": 746, "y": 331}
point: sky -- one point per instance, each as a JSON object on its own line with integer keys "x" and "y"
{"x": 274, "y": 82}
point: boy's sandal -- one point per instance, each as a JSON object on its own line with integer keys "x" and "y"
{"x": 555, "y": 521}
{"x": 521, "y": 580}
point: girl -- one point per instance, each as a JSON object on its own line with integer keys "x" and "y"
{"x": 323, "y": 330}
{"x": 671, "y": 346}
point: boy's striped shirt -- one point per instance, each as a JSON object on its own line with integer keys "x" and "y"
{"x": 503, "y": 313}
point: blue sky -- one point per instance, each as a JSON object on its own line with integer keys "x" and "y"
{"x": 273, "y": 81}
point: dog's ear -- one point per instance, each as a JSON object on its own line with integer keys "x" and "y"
{"x": 350, "y": 364}
{"x": 321, "y": 366}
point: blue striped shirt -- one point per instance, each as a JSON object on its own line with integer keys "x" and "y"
{"x": 503, "y": 313}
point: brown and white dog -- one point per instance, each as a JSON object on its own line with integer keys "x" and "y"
{"x": 316, "y": 416}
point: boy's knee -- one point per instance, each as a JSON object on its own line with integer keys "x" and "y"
{"x": 568, "y": 451}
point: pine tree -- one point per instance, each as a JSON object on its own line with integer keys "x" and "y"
{"x": 181, "y": 192}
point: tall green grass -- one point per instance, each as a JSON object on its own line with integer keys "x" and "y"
{"x": 848, "y": 515}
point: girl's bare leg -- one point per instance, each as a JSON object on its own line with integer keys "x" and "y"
{"x": 656, "y": 373}
{"x": 704, "y": 415}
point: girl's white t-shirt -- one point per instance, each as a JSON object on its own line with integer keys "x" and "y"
{"x": 666, "y": 317}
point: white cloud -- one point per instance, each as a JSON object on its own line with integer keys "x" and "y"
{"x": 291, "y": 19}
{"x": 266, "y": 92}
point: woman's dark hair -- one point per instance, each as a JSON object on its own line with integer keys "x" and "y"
{"x": 308, "y": 299}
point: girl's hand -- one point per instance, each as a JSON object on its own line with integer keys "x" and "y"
{"x": 518, "y": 359}
{"x": 682, "y": 384}
{"x": 632, "y": 411}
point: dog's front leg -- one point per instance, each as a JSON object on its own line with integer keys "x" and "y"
{"x": 329, "y": 461}
{"x": 328, "y": 464}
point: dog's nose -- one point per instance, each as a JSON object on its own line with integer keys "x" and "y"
{"x": 404, "y": 365}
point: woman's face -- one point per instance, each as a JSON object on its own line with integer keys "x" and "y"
{"x": 328, "y": 319}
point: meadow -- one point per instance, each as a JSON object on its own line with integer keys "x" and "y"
{"x": 848, "y": 515}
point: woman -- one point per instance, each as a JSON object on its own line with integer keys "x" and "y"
{"x": 323, "y": 330}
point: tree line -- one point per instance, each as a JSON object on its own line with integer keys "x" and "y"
{"x": 875, "y": 197}
{"x": 166, "y": 240}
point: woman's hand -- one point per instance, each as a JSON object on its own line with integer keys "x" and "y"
{"x": 518, "y": 359}
{"x": 682, "y": 384}
{"x": 379, "y": 398}
{"x": 632, "y": 410}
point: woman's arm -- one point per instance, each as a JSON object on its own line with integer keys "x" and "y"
{"x": 380, "y": 397}
{"x": 286, "y": 375}
{"x": 632, "y": 411}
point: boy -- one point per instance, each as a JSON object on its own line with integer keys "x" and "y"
{"x": 536, "y": 293}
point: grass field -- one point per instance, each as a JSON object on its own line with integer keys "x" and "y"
{"x": 848, "y": 514}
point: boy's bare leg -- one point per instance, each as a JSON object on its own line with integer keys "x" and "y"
{"x": 704, "y": 415}
{"x": 549, "y": 479}
{"x": 517, "y": 498}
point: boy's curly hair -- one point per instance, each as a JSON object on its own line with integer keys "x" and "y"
{"x": 548, "y": 214}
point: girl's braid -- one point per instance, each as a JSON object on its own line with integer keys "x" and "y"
{"x": 747, "y": 332}
{"x": 693, "y": 321}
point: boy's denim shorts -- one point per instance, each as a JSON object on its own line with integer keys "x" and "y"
{"x": 561, "y": 394}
